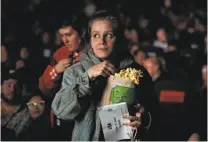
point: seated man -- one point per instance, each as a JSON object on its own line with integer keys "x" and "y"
{"x": 14, "y": 115}
{"x": 156, "y": 69}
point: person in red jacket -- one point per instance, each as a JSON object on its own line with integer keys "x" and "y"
{"x": 50, "y": 82}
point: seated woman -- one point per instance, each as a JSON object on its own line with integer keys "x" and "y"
{"x": 84, "y": 82}
{"x": 40, "y": 126}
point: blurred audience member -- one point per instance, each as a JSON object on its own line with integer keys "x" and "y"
{"x": 5, "y": 65}
{"x": 4, "y": 54}
{"x": 133, "y": 47}
{"x": 58, "y": 41}
{"x": 134, "y": 36}
{"x": 155, "y": 67}
{"x": 25, "y": 63}
{"x": 167, "y": 3}
{"x": 127, "y": 33}
{"x": 181, "y": 25}
{"x": 139, "y": 56}
{"x": 45, "y": 38}
{"x": 24, "y": 53}
{"x": 204, "y": 76}
{"x": 131, "y": 34}
{"x": 20, "y": 64}
{"x": 46, "y": 45}
{"x": 161, "y": 41}
{"x": 15, "y": 117}
{"x": 22, "y": 61}
{"x": 89, "y": 8}
{"x": 144, "y": 29}
{"x": 6, "y": 61}
{"x": 194, "y": 137}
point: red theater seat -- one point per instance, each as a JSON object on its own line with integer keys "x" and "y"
{"x": 172, "y": 96}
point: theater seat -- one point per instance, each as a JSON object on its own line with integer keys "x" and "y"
{"x": 177, "y": 110}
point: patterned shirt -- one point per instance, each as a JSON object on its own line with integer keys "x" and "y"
{"x": 17, "y": 121}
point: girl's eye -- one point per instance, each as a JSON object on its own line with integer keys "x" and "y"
{"x": 109, "y": 36}
{"x": 96, "y": 36}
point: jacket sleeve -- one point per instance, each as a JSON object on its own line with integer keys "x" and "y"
{"x": 49, "y": 82}
{"x": 66, "y": 104}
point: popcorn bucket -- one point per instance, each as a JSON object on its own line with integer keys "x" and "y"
{"x": 120, "y": 89}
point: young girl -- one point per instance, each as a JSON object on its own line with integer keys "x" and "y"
{"x": 83, "y": 83}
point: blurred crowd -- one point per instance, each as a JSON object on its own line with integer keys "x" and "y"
{"x": 168, "y": 38}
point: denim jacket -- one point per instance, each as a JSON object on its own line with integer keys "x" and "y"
{"x": 77, "y": 98}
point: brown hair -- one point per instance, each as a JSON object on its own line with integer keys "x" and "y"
{"x": 103, "y": 15}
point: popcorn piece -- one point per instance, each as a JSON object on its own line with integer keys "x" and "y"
{"x": 130, "y": 74}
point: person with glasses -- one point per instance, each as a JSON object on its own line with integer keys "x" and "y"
{"x": 36, "y": 106}
{"x": 39, "y": 129}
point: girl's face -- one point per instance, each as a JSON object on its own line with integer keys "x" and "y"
{"x": 102, "y": 38}
{"x": 36, "y": 107}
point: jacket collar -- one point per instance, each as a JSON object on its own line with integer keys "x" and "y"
{"x": 88, "y": 59}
